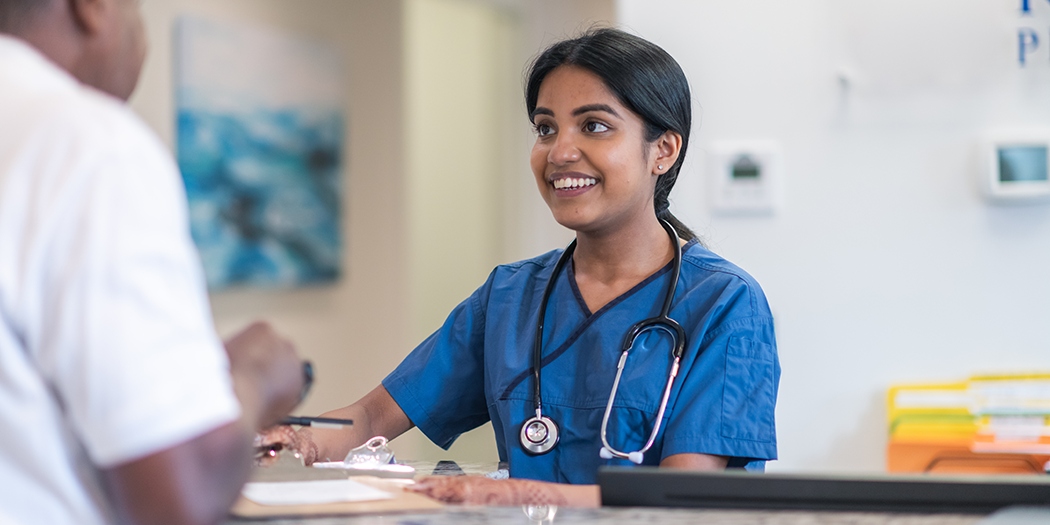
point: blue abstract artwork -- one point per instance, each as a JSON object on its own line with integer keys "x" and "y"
{"x": 259, "y": 142}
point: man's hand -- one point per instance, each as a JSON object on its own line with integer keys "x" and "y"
{"x": 267, "y": 374}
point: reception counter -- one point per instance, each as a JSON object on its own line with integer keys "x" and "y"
{"x": 449, "y": 515}
{"x": 616, "y": 516}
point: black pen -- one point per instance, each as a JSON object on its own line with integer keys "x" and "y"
{"x": 317, "y": 422}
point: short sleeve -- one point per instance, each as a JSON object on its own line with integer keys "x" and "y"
{"x": 440, "y": 385}
{"x": 123, "y": 331}
{"x": 728, "y": 395}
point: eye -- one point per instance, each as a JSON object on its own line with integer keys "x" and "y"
{"x": 595, "y": 127}
{"x": 543, "y": 129}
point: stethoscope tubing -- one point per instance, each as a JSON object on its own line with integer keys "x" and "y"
{"x": 537, "y": 350}
{"x": 672, "y": 374}
{"x": 661, "y": 322}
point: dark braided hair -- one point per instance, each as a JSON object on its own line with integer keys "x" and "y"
{"x": 645, "y": 79}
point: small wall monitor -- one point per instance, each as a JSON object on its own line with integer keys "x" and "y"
{"x": 1016, "y": 168}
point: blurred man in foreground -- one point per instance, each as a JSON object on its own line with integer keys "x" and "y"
{"x": 117, "y": 400}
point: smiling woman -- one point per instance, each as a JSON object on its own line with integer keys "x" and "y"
{"x": 655, "y": 351}
{"x": 643, "y": 81}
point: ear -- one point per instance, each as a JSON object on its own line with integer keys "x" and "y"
{"x": 90, "y": 16}
{"x": 665, "y": 151}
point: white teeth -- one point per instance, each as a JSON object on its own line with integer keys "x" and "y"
{"x": 570, "y": 183}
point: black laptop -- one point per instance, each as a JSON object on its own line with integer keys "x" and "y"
{"x": 657, "y": 487}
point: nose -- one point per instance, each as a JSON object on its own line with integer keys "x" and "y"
{"x": 564, "y": 150}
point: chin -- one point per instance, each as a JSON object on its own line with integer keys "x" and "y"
{"x": 574, "y": 223}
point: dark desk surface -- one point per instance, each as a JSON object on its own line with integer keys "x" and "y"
{"x": 615, "y": 516}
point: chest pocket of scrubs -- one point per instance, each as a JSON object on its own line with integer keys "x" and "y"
{"x": 748, "y": 394}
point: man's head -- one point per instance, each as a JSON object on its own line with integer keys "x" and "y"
{"x": 100, "y": 42}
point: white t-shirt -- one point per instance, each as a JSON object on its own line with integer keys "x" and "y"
{"x": 107, "y": 350}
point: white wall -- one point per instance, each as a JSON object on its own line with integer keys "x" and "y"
{"x": 886, "y": 265}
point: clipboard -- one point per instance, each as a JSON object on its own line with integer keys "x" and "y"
{"x": 402, "y": 502}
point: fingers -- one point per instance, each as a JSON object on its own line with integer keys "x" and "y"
{"x": 304, "y": 443}
{"x": 280, "y": 435}
{"x": 444, "y": 489}
{"x": 283, "y": 439}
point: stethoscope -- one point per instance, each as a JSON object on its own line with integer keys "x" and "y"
{"x": 539, "y": 434}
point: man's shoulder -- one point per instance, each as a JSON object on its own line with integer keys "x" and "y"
{"x": 85, "y": 114}
{"x": 38, "y": 99}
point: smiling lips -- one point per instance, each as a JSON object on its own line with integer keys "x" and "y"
{"x": 570, "y": 183}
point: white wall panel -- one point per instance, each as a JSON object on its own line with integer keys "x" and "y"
{"x": 885, "y": 265}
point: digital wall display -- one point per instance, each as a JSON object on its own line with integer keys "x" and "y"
{"x": 1022, "y": 163}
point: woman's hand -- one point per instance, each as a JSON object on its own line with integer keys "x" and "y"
{"x": 283, "y": 439}
{"x": 477, "y": 490}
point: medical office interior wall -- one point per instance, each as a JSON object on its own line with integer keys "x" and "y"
{"x": 348, "y": 328}
{"x": 419, "y": 232}
{"x": 885, "y": 264}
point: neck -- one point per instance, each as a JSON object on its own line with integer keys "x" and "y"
{"x": 627, "y": 253}
{"x": 56, "y": 35}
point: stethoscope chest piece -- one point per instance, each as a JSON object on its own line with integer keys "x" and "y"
{"x": 539, "y": 434}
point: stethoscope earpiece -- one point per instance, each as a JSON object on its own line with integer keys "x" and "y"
{"x": 636, "y": 457}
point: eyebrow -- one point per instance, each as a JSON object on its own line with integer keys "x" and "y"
{"x": 594, "y": 107}
{"x": 578, "y": 111}
{"x": 540, "y": 111}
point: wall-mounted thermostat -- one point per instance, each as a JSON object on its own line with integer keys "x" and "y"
{"x": 746, "y": 176}
{"x": 1015, "y": 167}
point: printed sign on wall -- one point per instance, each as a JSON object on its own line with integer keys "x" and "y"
{"x": 1030, "y": 39}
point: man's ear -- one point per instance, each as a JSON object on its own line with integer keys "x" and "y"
{"x": 90, "y": 16}
{"x": 666, "y": 149}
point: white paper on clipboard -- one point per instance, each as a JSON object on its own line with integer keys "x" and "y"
{"x": 311, "y": 492}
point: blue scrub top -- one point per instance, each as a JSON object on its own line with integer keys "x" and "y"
{"x": 478, "y": 367}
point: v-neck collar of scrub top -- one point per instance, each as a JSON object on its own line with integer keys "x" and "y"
{"x": 589, "y": 318}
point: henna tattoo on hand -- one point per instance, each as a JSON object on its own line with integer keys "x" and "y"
{"x": 476, "y": 490}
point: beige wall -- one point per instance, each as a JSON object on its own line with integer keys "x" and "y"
{"x": 436, "y": 189}
{"x": 530, "y": 229}
{"x": 354, "y": 330}
{"x": 456, "y": 56}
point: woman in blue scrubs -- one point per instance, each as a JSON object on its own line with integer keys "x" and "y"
{"x": 612, "y": 116}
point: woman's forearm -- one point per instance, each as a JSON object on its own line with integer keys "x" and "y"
{"x": 581, "y": 495}
{"x": 376, "y": 414}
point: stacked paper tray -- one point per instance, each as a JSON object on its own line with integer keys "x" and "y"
{"x": 985, "y": 425}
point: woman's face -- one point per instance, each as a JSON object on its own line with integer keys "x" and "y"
{"x": 591, "y": 161}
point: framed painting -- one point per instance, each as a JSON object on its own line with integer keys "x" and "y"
{"x": 260, "y": 126}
